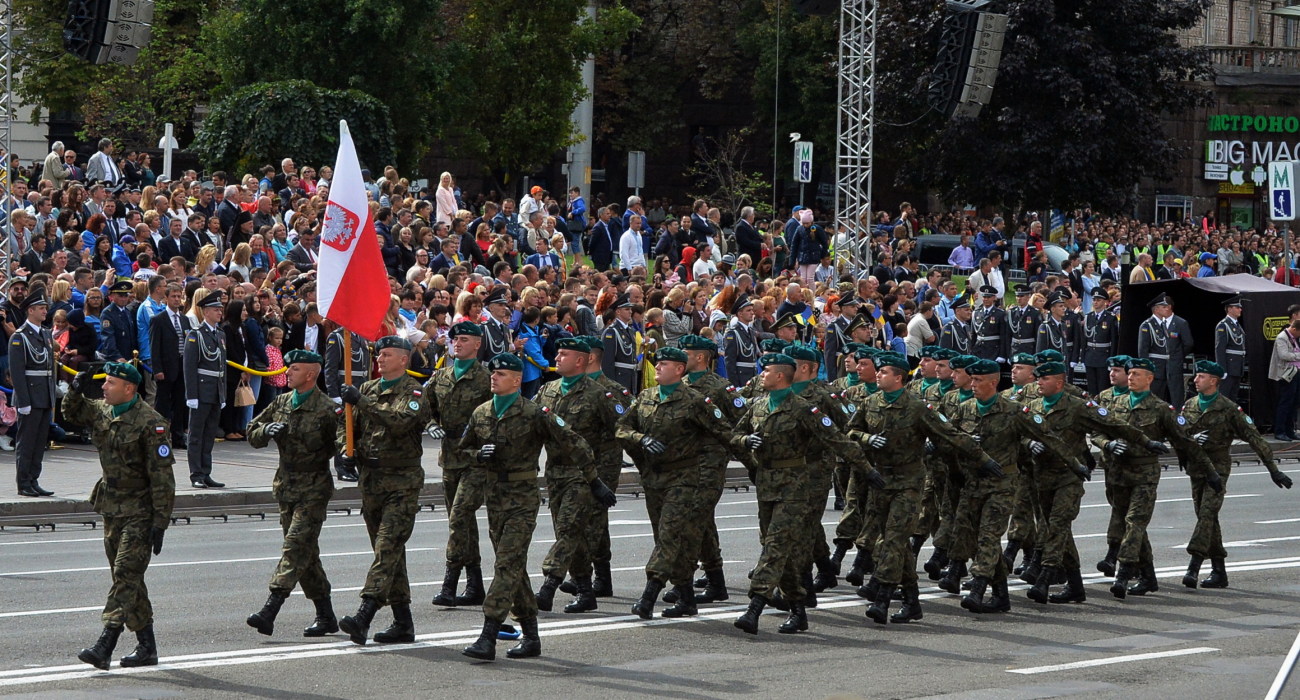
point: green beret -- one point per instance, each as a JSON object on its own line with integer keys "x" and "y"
{"x": 1140, "y": 363}
{"x": 123, "y": 370}
{"x": 983, "y": 367}
{"x": 573, "y": 344}
{"x": 892, "y": 359}
{"x": 670, "y": 355}
{"x": 505, "y": 361}
{"x": 774, "y": 345}
{"x": 776, "y": 359}
{"x": 594, "y": 344}
{"x": 1049, "y": 356}
{"x": 1048, "y": 369}
{"x": 1120, "y": 361}
{"x": 393, "y": 341}
{"x": 466, "y": 328}
{"x": 1023, "y": 358}
{"x": 865, "y": 353}
{"x": 850, "y": 348}
{"x": 296, "y": 356}
{"x": 928, "y": 351}
{"x": 1207, "y": 367}
{"x": 963, "y": 361}
{"x": 944, "y": 354}
{"x": 802, "y": 353}
{"x": 697, "y": 342}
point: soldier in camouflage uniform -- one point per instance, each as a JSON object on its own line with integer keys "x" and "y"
{"x": 946, "y": 478}
{"x": 1110, "y": 398}
{"x": 593, "y": 414}
{"x": 506, "y": 435}
{"x": 1214, "y": 420}
{"x": 1136, "y": 473}
{"x": 453, "y": 392}
{"x": 666, "y": 427}
{"x": 890, "y": 424}
{"x": 926, "y": 372}
{"x": 934, "y": 494}
{"x": 981, "y": 519}
{"x": 391, "y": 415}
{"x": 303, "y": 422}
{"x": 135, "y": 496}
{"x": 1021, "y": 531}
{"x": 776, "y": 435}
{"x": 1058, "y": 488}
{"x": 334, "y": 375}
{"x": 860, "y": 385}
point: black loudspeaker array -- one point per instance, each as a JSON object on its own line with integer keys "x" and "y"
{"x": 107, "y": 31}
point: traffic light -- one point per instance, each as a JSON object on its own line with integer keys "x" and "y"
{"x": 107, "y": 31}
{"x": 970, "y": 49}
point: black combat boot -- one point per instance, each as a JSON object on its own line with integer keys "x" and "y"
{"x": 645, "y": 607}
{"x": 670, "y": 595}
{"x": 826, "y": 570}
{"x": 951, "y": 581}
{"x": 911, "y": 609}
{"x": 474, "y": 593}
{"x": 546, "y": 593}
{"x": 1123, "y": 573}
{"x": 1039, "y": 592}
{"x": 809, "y": 591}
{"x": 1000, "y": 599}
{"x": 325, "y": 622}
{"x": 1218, "y": 577}
{"x": 1146, "y": 582}
{"x": 837, "y": 558}
{"x": 586, "y": 600}
{"x": 101, "y": 654}
{"x": 878, "y": 611}
{"x": 485, "y": 647}
{"x": 1107, "y": 565}
{"x": 716, "y": 590}
{"x": 358, "y": 625}
{"x": 402, "y": 631}
{"x": 701, "y": 581}
{"x": 685, "y": 605}
{"x": 447, "y": 596}
{"x": 1033, "y": 567}
{"x": 974, "y": 601}
{"x": 1009, "y": 554}
{"x": 530, "y": 644}
{"x": 861, "y": 566}
{"x": 938, "y": 560}
{"x": 868, "y": 589}
{"x": 748, "y": 621}
{"x": 264, "y": 620}
{"x": 602, "y": 584}
{"x": 569, "y": 586}
{"x": 146, "y": 650}
{"x": 796, "y": 622}
{"x": 1073, "y": 591}
{"x": 1193, "y": 572}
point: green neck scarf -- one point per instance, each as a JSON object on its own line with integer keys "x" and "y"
{"x": 666, "y": 390}
{"x": 775, "y": 398}
{"x": 386, "y": 384}
{"x": 800, "y": 387}
{"x": 693, "y": 377}
{"x": 1135, "y": 397}
{"x": 567, "y": 383}
{"x": 965, "y": 394}
{"x": 985, "y": 406}
{"x": 945, "y": 385}
{"x": 501, "y": 404}
{"x": 927, "y": 382}
{"x": 1050, "y": 401}
{"x": 892, "y": 396}
{"x": 1120, "y": 390}
{"x": 854, "y": 379}
{"x": 595, "y": 375}
{"x": 872, "y": 388}
{"x": 1204, "y": 400}
{"x": 299, "y": 397}
{"x": 460, "y": 367}
{"x": 121, "y": 408}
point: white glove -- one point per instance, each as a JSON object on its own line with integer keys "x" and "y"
{"x": 1037, "y": 447}
{"x": 436, "y": 432}
{"x": 486, "y": 452}
{"x": 1001, "y": 360}
{"x": 977, "y": 438}
{"x": 753, "y": 441}
{"x": 1202, "y": 437}
{"x": 275, "y": 429}
{"x": 192, "y": 404}
{"x": 223, "y": 405}
{"x": 877, "y": 441}
{"x": 337, "y": 401}
{"x": 25, "y": 410}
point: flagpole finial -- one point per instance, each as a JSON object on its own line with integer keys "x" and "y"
{"x": 343, "y": 128}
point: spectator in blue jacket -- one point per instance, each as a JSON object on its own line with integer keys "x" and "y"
{"x": 534, "y": 359}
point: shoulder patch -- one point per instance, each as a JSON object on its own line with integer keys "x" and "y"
{"x": 19, "y": 342}
{"x": 708, "y": 399}
{"x": 189, "y": 339}
{"x": 1025, "y": 409}
{"x": 1182, "y": 420}
{"x": 815, "y": 409}
{"x": 738, "y": 402}
{"x": 826, "y": 421}
{"x": 609, "y": 394}
{"x": 1038, "y": 419}
{"x": 414, "y": 405}
{"x": 929, "y": 407}
{"x": 1101, "y": 411}
{"x": 164, "y": 450}
{"x": 160, "y": 429}
{"x": 546, "y": 409}
{"x": 417, "y": 392}
{"x": 731, "y": 387}
{"x": 1249, "y": 421}
{"x": 717, "y": 412}
{"x": 1092, "y": 404}
{"x": 559, "y": 421}
{"x": 338, "y": 411}
{"x": 618, "y": 408}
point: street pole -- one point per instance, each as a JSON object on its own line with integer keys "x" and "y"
{"x": 1286, "y": 252}
{"x": 802, "y": 185}
{"x": 776, "y": 111}
{"x": 579, "y": 165}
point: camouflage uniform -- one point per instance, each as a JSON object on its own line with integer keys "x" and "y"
{"x": 135, "y": 495}
{"x": 451, "y": 401}
{"x": 818, "y": 394}
{"x": 944, "y": 478}
{"x": 1110, "y": 399}
{"x": 714, "y": 457}
{"x": 1025, "y": 515}
{"x": 389, "y": 429}
{"x": 857, "y": 496}
{"x": 302, "y": 485}
{"x": 609, "y": 467}
{"x": 513, "y": 499}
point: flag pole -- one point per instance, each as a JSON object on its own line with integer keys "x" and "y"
{"x": 349, "y": 450}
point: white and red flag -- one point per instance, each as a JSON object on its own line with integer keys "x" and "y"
{"x": 352, "y": 283}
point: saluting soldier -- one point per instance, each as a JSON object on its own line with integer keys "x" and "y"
{"x": 390, "y": 417}
{"x": 1023, "y": 320}
{"x": 303, "y": 422}
{"x": 989, "y": 325}
{"x": 1230, "y": 348}
{"x": 32, "y": 358}
{"x": 957, "y": 335}
{"x": 135, "y": 496}
{"x": 619, "y": 339}
{"x": 1165, "y": 339}
{"x": 496, "y": 329}
{"x": 506, "y": 436}
{"x": 740, "y": 344}
{"x": 335, "y": 377}
{"x": 1100, "y": 341}
{"x": 1214, "y": 421}
{"x": 837, "y": 336}
{"x": 204, "y": 363}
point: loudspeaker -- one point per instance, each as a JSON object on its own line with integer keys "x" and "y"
{"x": 108, "y": 31}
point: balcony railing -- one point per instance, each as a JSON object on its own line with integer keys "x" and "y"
{"x": 1255, "y": 59}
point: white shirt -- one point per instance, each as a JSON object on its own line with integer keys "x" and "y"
{"x": 703, "y": 268}
{"x": 630, "y": 252}
{"x": 310, "y": 337}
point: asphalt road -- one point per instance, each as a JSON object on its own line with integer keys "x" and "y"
{"x": 1176, "y": 643}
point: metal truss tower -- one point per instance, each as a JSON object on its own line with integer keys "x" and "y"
{"x": 855, "y": 131}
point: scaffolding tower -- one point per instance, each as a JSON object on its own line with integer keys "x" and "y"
{"x": 855, "y": 131}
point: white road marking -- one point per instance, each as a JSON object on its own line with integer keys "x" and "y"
{"x": 1112, "y": 660}
{"x": 43, "y": 542}
{"x": 1176, "y": 500}
{"x": 155, "y": 565}
{"x": 1277, "y": 522}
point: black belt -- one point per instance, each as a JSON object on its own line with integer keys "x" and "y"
{"x": 125, "y": 483}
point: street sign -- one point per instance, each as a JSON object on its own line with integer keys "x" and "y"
{"x": 803, "y": 161}
{"x": 636, "y": 169}
{"x": 1281, "y": 190}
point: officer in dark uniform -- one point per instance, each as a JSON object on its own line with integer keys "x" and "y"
{"x": 957, "y": 335}
{"x": 989, "y": 326}
{"x": 620, "y": 360}
{"x": 117, "y": 336}
{"x": 740, "y": 344}
{"x": 1023, "y": 321}
{"x": 204, "y": 363}
{"x": 837, "y": 336}
{"x": 1230, "y": 348}
{"x": 1055, "y": 332}
{"x": 31, "y": 364}
{"x": 1100, "y": 341}
{"x": 786, "y": 327}
{"x": 1165, "y": 339}
{"x": 496, "y": 333}
{"x": 335, "y": 378}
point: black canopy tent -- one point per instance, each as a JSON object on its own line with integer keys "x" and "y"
{"x": 1199, "y": 300}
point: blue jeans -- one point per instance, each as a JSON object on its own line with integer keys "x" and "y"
{"x": 1287, "y": 393}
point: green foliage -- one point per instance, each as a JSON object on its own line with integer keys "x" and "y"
{"x": 724, "y": 176}
{"x": 264, "y": 122}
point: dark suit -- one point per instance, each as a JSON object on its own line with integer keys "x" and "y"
{"x": 166, "y": 351}
{"x": 301, "y": 258}
{"x": 748, "y": 241}
{"x": 33, "y": 260}
{"x": 169, "y": 248}
{"x": 601, "y": 248}
{"x": 226, "y": 214}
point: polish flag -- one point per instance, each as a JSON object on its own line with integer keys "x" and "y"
{"x": 352, "y": 283}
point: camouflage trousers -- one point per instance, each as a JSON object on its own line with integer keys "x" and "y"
{"x": 598, "y": 545}
{"x": 678, "y": 526}
{"x": 948, "y": 496}
{"x": 980, "y": 522}
{"x": 782, "y": 529}
{"x": 1059, "y": 506}
{"x": 1115, "y": 525}
{"x": 857, "y": 496}
{"x": 933, "y": 493}
{"x": 300, "y": 553}
{"x": 873, "y": 520}
{"x": 129, "y": 546}
{"x": 899, "y": 509}
{"x": 1134, "y": 497}
{"x": 512, "y": 516}
{"x": 822, "y": 483}
{"x": 1026, "y": 517}
{"x": 571, "y": 505}
{"x": 713, "y": 477}
{"x": 390, "y": 518}
{"x": 1207, "y": 537}
{"x": 462, "y": 492}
